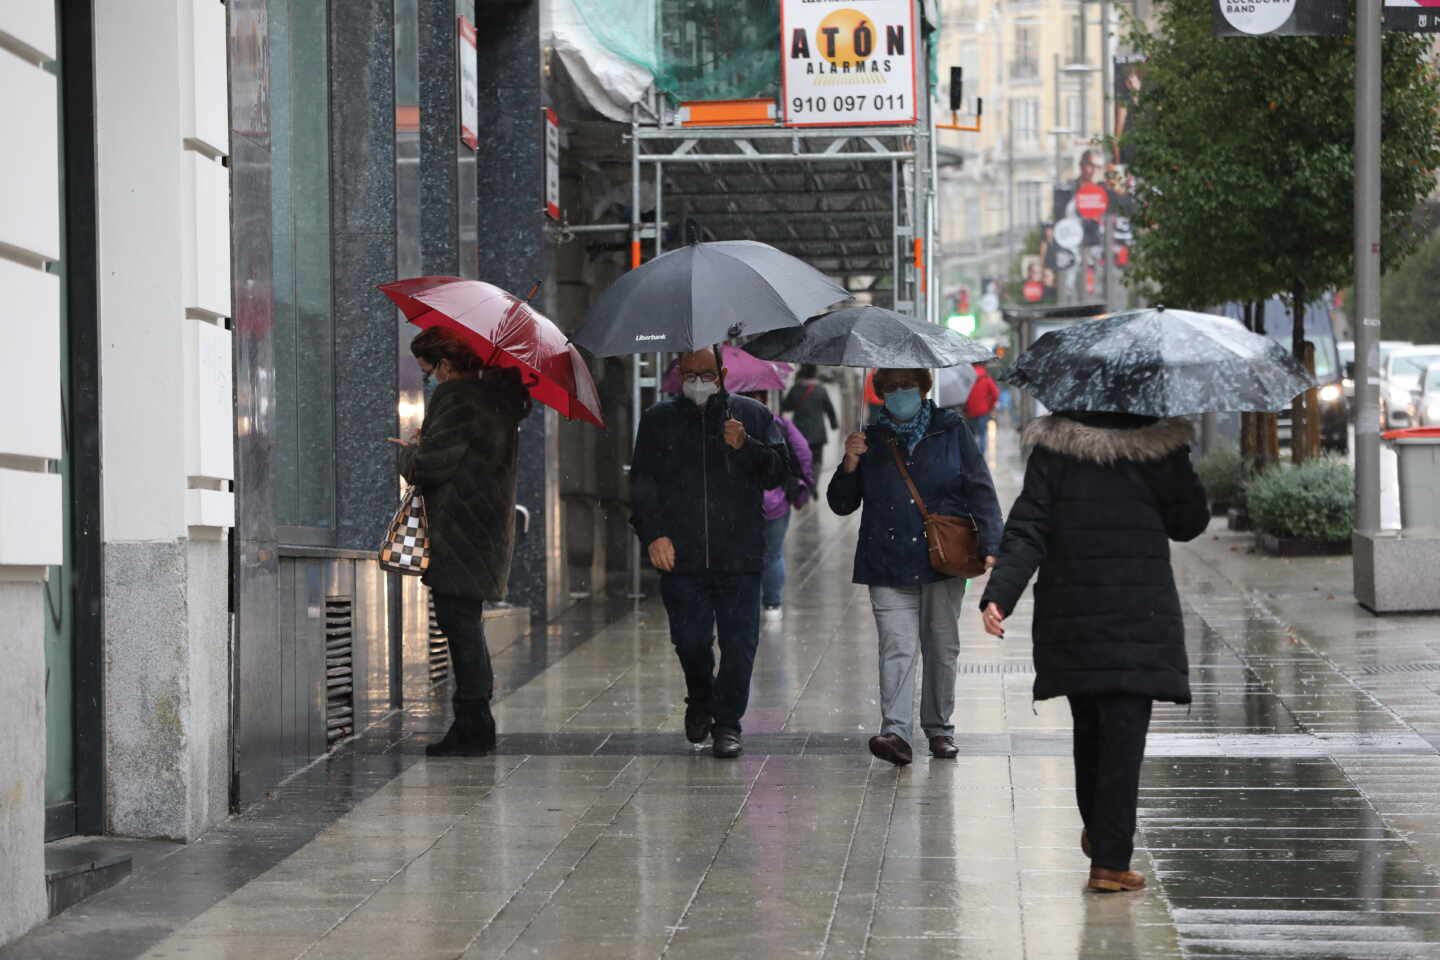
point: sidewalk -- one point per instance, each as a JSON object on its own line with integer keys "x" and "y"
{"x": 1292, "y": 812}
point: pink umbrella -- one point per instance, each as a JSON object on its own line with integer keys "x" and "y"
{"x": 746, "y": 374}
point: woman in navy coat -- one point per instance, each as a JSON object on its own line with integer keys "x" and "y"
{"x": 917, "y": 609}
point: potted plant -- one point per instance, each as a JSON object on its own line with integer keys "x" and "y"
{"x": 1305, "y": 510}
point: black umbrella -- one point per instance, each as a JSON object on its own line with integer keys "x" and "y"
{"x": 704, "y": 294}
{"x": 865, "y": 336}
{"x": 1159, "y": 363}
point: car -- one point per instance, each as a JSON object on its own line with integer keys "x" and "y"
{"x": 1399, "y": 375}
{"x": 1425, "y": 409}
{"x": 1346, "y": 349}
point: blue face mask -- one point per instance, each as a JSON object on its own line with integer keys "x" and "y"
{"x": 903, "y": 404}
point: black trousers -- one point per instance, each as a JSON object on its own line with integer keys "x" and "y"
{"x": 462, "y": 620}
{"x": 700, "y": 607}
{"x": 1109, "y": 747}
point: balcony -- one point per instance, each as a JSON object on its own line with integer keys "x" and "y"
{"x": 1024, "y": 70}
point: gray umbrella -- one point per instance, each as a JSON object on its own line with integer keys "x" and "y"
{"x": 865, "y": 336}
{"x": 1159, "y": 363}
{"x": 704, "y": 294}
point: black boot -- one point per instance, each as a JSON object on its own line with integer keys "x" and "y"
{"x": 471, "y": 735}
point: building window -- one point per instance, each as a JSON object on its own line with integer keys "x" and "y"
{"x": 1025, "y": 117}
{"x": 1075, "y": 52}
{"x": 973, "y": 227}
{"x": 1075, "y": 114}
{"x": 304, "y": 338}
{"x": 1028, "y": 197}
{"x": 1025, "y": 64}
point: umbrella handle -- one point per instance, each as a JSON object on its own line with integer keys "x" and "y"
{"x": 533, "y": 290}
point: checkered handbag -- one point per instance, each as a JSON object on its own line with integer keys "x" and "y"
{"x": 407, "y": 544}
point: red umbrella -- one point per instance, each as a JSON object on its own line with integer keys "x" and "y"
{"x": 506, "y": 332}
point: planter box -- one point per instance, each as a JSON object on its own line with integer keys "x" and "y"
{"x": 1301, "y": 546}
{"x": 1239, "y": 518}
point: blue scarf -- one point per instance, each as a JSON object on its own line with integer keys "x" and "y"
{"x": 912, "y": 430}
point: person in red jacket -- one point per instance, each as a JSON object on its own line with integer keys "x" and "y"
{"x": 983, "y": 397}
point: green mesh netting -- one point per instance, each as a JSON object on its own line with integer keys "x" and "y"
{"x": 696, "y": 49}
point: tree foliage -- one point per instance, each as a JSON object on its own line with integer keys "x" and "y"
{"x": 1243, "y": 149}
{"x": 1410, "y": 296}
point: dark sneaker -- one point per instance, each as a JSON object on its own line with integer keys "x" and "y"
{"x": 891, "y": 748}
{"x": 727, "y": 743}
{"x": 697, "y": 721}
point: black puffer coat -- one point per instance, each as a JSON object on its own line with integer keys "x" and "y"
{"x": 465, "y": 466}
{"x": 1104, "y": 494}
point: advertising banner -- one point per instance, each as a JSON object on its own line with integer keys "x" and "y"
{"x": 552, "y": 164}
{"x": 1280, "y": 18}
{"x": 848, "y": 62}
{"x": 469, "y": 85}
{"x": 1412, "y": 16}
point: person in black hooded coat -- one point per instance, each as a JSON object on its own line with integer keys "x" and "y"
{"x": 1103, "y": 496}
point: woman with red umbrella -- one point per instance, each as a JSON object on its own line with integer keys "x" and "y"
{"x": 491, "y": 353}
{"x": 464, "y": 461}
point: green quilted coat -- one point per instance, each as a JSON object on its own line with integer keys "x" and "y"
{"x": 465, "y": 467}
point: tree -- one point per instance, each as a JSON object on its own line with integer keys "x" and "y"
{"x": 1243, "y": 150}
{"x": 1409, "y": 295}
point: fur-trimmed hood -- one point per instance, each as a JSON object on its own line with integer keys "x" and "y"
{"x": 1105, "y": 445}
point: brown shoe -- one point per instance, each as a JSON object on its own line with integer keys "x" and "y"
{"x": 1116, "y": 881}
{"x": 1085, "y": 842}
{"x": 943, "y": 748}
{"x": 891, "y": 748}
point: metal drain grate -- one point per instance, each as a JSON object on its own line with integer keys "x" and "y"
{"x": 1005, "y": 666}
{"x": 439, "y": 649}
{"x": 1418, "y": 666}
{"x": 339, "y": 668}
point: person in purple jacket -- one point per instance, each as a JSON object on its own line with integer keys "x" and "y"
{"x": 794, "y": 493}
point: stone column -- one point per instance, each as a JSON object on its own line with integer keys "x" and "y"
{"x": 166, "y": 414}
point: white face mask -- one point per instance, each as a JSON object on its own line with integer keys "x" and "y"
{"x": 700, "y": 392}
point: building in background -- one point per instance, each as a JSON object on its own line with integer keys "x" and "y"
{"x": 1037, "y": 65}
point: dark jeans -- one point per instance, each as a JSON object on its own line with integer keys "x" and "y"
{"x": 980, "y": 427}
{"x": 817, "y": 458}
{"x": 463, "y": 622}
{"x": 1109, "y": 746}
{"x": 699, "y": 607}
{"x": 773, "y": 579}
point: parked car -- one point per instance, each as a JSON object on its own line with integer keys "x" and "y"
{"x": 1399, "y": 375}
{"x": 1425, "y": 407}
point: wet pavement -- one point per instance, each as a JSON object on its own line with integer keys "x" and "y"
{"x": 1294, "y": 811}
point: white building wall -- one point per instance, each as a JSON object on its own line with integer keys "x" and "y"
{"x": 166, "y": 416}
{"x": 30, "y": 496}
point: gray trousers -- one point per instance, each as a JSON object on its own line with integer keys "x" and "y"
{"x": 923, "y": 620}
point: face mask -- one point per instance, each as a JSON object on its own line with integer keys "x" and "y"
{"x": 700, "y": 392}
{"x": 903, "y": 404}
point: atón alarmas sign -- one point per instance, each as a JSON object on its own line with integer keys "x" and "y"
{"x": 848, "y": 62}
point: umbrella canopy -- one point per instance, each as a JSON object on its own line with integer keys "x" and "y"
{"x": 743, "y": 373}
{"x": 1159, "y": 363}
{"x": 704, "y": 294}
{"x": 504, "y": 331}
{"x": 865, "y": 336}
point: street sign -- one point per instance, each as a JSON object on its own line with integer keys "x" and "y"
{"x": 1091, "y": 201}
{"x": 848, "y": 63}
{"x": 1069, "y": 233}
{"x": 1412, "y": 16}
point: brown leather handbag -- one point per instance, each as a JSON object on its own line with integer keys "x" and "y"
{"x": 954, "y": 542}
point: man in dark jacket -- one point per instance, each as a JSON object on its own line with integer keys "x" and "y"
{"x": 809, "y": 402}
{"x": 702, "y": 464}
{"x": 1104, "y": 494}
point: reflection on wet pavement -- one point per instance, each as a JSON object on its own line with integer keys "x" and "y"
{"x": 1293, "y": 811}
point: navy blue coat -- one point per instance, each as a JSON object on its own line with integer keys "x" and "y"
{"x": 952, "y": 479}
{"x": 688, "y": 484}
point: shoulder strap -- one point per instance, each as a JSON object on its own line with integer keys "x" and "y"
{"x": 905, "y": 474}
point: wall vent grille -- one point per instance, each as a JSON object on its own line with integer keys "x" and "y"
{"x": 339, "y": 668}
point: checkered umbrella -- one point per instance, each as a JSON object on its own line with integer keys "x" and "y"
{"x": 504, "y": 331}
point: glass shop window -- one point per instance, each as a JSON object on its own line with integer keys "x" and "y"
{"x": 304, "y": 466}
